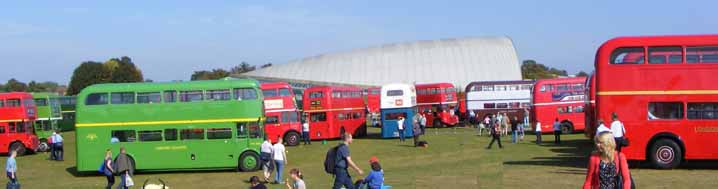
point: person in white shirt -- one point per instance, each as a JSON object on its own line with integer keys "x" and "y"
{"x": 538, "y": 132}
{"x": 280, "y": 159}
{"x": 422, "y": 123}
{"x": 601, "y": 127}
{"x": 400, "y": 126}
{"x": 305, "y": 133}
{"x": 266, "y": 157}
{"x": 618, "y": 131}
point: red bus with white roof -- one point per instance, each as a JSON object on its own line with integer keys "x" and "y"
{"x": 17, "y": 113}
{"x": 562, "y": 99}
{"x": 282, "y": 116}
{"x": 333, "y": 110}
{"x": 663, "y": 89}
{"x": 437, "y": 102}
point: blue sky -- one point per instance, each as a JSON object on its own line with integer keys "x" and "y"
{"x": 168, "y": 40}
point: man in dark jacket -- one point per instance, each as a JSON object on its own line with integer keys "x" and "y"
{"x": 125, "y": 167}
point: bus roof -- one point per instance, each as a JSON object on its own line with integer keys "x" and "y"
{"x": 184, "y": 85}
{"x": 44, "y": 95}
{"x": 275, "y": 85}
{"x": 668, "y": 40}
{"x": 23, "y": 95}
{"x": 434, "y": 85}
{"x": 560, "y": 80}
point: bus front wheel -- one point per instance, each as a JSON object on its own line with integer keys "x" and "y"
{"x": 665, "y": 154}
{"x": 43, "y": 146}
{"x": 566, "y": 127}
{"x": 249, "y": 161}
{"x": 292, "y": 138}
{"x": 18, "y": 147}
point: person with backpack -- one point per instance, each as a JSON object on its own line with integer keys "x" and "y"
{"x": 266, "y": 157}
{"x": 107, "y": 169}
{"x": 338, "y": 160}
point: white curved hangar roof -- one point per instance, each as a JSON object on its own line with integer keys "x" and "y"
{"x": 458, "y": 61}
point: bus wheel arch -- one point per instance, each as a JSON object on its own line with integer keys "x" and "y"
{"x": 665, "y": 151}
{"x": 437, "y": 123}
{"x": 248, "y": 161}
{"x": 291, "y": 137}
{"x": 566, "y": 127}
{"x": 17, "y": 146}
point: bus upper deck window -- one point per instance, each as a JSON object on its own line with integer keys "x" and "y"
{"x": 627, "y": 55}
{"x": 394, "y": 93}
{"x": 702, "y": 54}
{"x": 96, "y": 99}
{"x": 662, "y": 55}
{"x": 284, "y": 92}
{"x": 122, "y": 98}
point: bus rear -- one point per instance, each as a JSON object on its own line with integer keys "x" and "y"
{"x": 397, "y": 101}
{"x": 663, "y": 90}
{"x": 17, "y": 114}
{"x": 282, "y": 117}
{"x": 562, "y": 99}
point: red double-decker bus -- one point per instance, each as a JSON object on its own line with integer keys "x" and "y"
{"x": 17, "y": 113}
{"x": 282, "y": 116}
{"x": 590, "y": 107}
{"x": 663, "y": 89}
{"x": 373, "y": 99}
{"x": 562, "y": 99}
{"x": 437, "y": 102}
{"x": 334, "y": 110}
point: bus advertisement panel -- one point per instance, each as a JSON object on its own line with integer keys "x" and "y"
{"x": 562, "y": 99}
{"x": 663, "y": 89}
{"x": 438, "y": 103}
{"x": 17, "y": 113}
{"x": 282, "y": 116}
{"x": 333, "y": 111}
{"x": 397, "y": 100}
{"x": 213, "y": 124}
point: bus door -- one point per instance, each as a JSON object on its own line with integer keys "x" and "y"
{"x": 318, "y": 125}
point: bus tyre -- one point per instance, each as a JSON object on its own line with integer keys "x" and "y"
{"x": 437, "y": 124}
{"x": 17, "y": 146}
{"x": 43, "y": 146}
{"x": 566, "y": 128}
{"x": 292, "y": 138}
{"x": 665, "y": 154}
{"x": 249, "y": 161}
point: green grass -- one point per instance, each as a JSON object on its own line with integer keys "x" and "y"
{"x": 456, "y": 158}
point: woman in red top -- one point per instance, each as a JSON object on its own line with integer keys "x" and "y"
{"x": 606, "y": 164}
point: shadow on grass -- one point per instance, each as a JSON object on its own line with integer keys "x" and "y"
{"x": 570, "y": 153}
{"x": 686, "y": 165}
{"x": 73, "y": 171}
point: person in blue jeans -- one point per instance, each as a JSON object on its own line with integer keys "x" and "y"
{"x": 11, "y": 167}
{"x": 57, "y": 145}
{"x": 344, "y": 161}
{"x": 280, "y": 159}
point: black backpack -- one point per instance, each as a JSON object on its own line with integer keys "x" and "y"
{"x": 330, "y": 162}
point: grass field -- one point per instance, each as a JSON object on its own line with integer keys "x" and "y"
{"x": 456, "y": 158}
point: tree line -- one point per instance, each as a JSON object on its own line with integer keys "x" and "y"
{"x": 220, "y": 73}
{"x": 530, "y": 69}
{"x": 32, "y": 86}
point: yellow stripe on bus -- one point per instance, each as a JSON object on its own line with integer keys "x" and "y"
{"x": 671, "y": 92}
{"x": 331, "y": 110}
{"x": 69, "y": 111}
{"x": 164, "y": 122}
{"x": 11, "y": 120}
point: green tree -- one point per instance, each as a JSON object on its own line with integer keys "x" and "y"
{"x": 530, "y": 69}
{"x": 14, "y": 85}
{"x": 209, "y": 75}
{"x": 126, "y": 72}
{"x": 2, "y": 88}
{"x": 582, "y": 74}
{"x": 88, "y": 73}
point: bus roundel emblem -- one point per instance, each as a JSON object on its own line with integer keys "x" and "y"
{"x": 399, "y": 102}
{"x": 91, "y": 136}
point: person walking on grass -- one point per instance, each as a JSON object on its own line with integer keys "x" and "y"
{"x": 400, "y": 126}
{"x": 618, "y": 132}
{"x": 343, "y": 162}
{"x": 495, "y": 135}
{"x": 11, "y": 168}
{"x": 422, "y": 123}
{"x": 606, "y": 164}
{"x": 57, "y": 143}
{"x": 125, "y": 167}
{"x": 514, "y": 129}
{"x": 601, "y": 127}
{"x": 109, "y": 171}
{"x": 266, "y": 157}
{"x": 557, "y": 132}
{"x": 537, "y": 130}
{"x": 280, "y": 159}
{"x": 521, "y": 130}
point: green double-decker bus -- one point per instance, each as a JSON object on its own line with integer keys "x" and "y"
{"x": 48, "y": 116}
{"x": 172, "y": 126}
{"x": 67, "y": 108}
